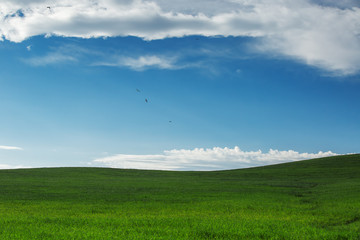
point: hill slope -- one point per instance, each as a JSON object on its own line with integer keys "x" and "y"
{"x": 312, "y": 199}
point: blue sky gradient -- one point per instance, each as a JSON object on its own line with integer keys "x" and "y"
{"x": 66, "y": 101}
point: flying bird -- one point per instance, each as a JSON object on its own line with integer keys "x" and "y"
{"x": 146, "y": 100}
{"x": 138, "y": 90}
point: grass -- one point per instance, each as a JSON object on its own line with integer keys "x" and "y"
{"x": 312, "y": 199}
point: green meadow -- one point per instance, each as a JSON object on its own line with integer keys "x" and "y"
{"x": 312, "y": 199}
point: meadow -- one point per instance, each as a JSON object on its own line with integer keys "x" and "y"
{"x": 311, "y": 199}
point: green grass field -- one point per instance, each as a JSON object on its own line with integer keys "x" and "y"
{"x": 312, "y": 199}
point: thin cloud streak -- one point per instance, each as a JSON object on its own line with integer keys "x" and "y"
{"x": 49, "y": 59}
{"x": 142, "y": 63}
{"x": 10, "y": 148}
{"x": 299, "y": 29}
{"x": 63, "y": 54}
{"x": 206, "y": 159}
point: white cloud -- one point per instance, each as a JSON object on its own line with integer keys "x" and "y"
{"x": 319, "y": 33}
{"x": 6, "y": 166}
{"x": 10, "y": 148}
{"x": 142, "y": 62}
{"x": 206, "y": 159}
{"x": 327, "y": 38}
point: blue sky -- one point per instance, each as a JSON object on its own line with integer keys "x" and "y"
{"x": 229, "y": 84}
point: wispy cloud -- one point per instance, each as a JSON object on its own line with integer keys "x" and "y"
{"x": 70, "y": 53}
{"x": 206, "y": 159}
{"x": 10, "y": 148}
{"x": 63, "y": 54}
{"x": 49, "y": 59}
{"x": 304, "y": 30}
{"x": 142, "y": 62}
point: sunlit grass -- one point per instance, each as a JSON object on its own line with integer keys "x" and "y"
{"x": 314, "y": 199}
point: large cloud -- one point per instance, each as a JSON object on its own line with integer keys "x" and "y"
{"x": 318, "y": 33}
{"x": 206, "y": 159}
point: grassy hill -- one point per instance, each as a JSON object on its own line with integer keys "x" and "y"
{"x": 312, "y": 199}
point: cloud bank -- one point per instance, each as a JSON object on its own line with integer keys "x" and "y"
{"x": 206, "y": 159}
{"x": 6, "y": 166}
{"x": 324, "y": 34}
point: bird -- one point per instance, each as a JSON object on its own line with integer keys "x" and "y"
{"x": 138, "y": 90}
{"x": 146, "y": 100}
{"x": 48, "y": 7}
{"x": 170, "y": 121}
